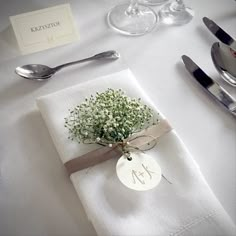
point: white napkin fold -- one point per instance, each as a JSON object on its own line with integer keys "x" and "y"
{"x": 185, "y": 207}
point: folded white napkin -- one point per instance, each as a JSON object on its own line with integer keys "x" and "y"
{"x": 185, "y": 207}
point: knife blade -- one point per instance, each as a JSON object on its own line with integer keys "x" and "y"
{"x": 213, "y": 88}
{"x": 219, "y": 33}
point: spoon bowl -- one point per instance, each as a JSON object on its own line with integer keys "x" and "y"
{"x": 40, "y": 72}
{"x": 35, "y": 71}
{"x": 224, "y": 59}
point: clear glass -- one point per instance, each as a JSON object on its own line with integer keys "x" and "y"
{"x": 132, "y": 19}
{"x": 176, "y": 13}
{"x": 153, "y": 2}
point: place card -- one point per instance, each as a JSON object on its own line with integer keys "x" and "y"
{"x": 45, "y": 28}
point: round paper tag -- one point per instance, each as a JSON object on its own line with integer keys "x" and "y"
{"x": 141, "y": 173}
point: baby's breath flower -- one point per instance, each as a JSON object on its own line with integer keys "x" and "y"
{"x": 108, "y": 117}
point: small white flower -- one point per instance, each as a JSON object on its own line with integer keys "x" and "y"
{"x": 110, "y": 145}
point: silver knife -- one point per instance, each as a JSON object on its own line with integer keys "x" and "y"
{"x": 219, "y": 33}
{"x": 213, "y": 88}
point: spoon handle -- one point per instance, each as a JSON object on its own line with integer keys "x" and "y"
{"x": 103, "y": 55}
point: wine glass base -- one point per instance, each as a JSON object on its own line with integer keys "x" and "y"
{"x": 138, "y": 21}
{"x": 170, "y": 16}
{"x": 153, "y": 2}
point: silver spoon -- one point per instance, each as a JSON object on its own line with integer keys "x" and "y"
{"x": 224, "y": 59}
{"x": 43, "y": 72}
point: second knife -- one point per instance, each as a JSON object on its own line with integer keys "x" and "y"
{"x": 213, "y": 88}
{"x": 219, "y": 33}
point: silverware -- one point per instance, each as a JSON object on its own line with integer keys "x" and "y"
{"x": 213, "y": 88}
{"x": 43, "y": 72}
{"x": 219, "y": 33}
{"x": 224, "y": 59}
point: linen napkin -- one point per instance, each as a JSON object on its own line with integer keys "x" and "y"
{"x": 187, "y": 206}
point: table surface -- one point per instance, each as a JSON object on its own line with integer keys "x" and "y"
{"x": 37, "y": 197}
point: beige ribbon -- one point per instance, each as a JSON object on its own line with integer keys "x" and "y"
{"x": 105, "y": 153}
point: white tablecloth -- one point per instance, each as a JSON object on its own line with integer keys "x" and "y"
{"x": 37, "y": 197}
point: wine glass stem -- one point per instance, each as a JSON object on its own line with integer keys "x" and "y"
{"x": 133, "y": 8}
{"x": 178, "y": 5}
